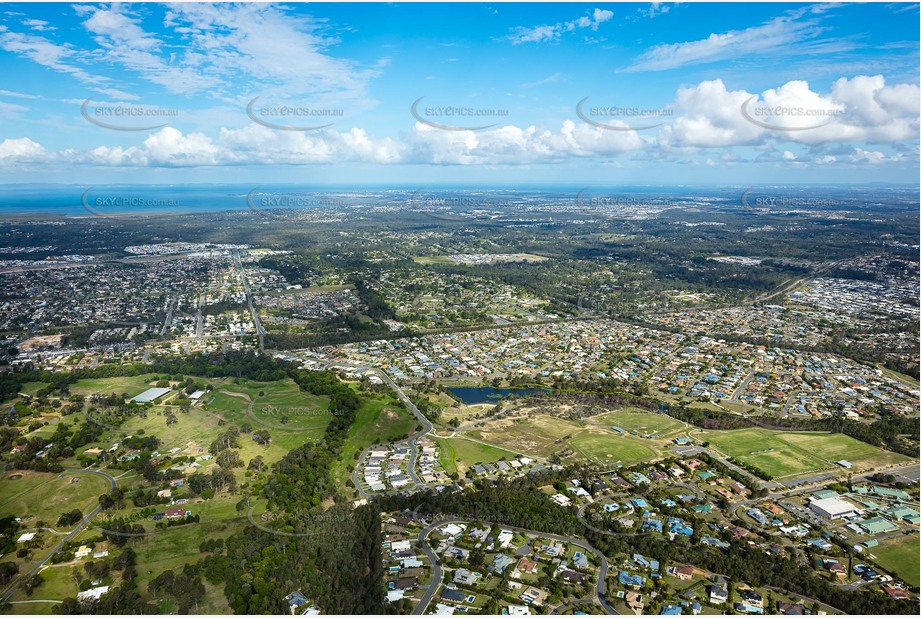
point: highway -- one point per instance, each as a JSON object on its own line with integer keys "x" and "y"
{"x": 438, "y": 571}
{"x": 86, "y": 520}
{"x": 198, "y": 318}
{"x": 260, "y": 331}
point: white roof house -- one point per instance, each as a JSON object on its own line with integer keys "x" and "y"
{"x": 92, "y": 594}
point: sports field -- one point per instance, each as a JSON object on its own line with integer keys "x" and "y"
{"x": 612, "y": 448}
{"x": 132, "y": 385}
{"x": 785, "y": 453}
{"x": 639, "y": 421}
{"x": 900, "y": 556}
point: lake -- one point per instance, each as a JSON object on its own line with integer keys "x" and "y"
{"x": 487, "y": 394}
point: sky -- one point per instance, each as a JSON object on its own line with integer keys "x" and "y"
{"x": 478, "y": 93}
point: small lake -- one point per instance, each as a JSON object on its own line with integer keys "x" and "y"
{"x": 471, "y": 395}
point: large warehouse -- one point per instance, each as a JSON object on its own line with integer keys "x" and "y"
{"x": 833, "y": 508}
{"x": 151, "y": 394}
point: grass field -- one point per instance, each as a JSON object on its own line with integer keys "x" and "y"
{"x": 639, "y": 421}
{"x": 378, "y": 421}
{"x": 785, "y": 453}
{"x": 612, "y": 448}
{"x": 133, "y": 385}
{"x": 543, "y": 435}
{"x": 44, "y": 496}
{"x": 458, "y": 454}
{"x": 900, "y": 556}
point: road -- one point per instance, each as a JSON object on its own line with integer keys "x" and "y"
{"x": 438, "y": 572}
{"x": 198, "y": 318}
{"x": 86, "y": 520}
{"x": 260, "y": 332}
{"x": 427, "y": 426}
{"x": 169, "y": 314}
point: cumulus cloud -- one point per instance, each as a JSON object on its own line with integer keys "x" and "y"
{"x": 872, "y": 120}
{"x": 861, "y": 109}
{"x": 20, "y": 150}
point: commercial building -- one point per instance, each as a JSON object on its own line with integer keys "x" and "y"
{"x": 833, "y": 508}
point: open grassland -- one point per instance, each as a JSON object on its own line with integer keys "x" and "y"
{"x": 612, "y": 448}
{"x": 641, "y": 422}
{"x": 901, "y": 556}
{"x": 787, "y": 453}
{"x": 43, "y": 496}
{"x": 458, "y": 454}
{"x": 544, "y": 435}
{"x": 132, "y": 386}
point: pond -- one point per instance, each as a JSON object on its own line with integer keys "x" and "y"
{"x": 471, "y": 395}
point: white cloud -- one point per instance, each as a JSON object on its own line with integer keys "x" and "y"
{"x": 21, "y": 150}
{"x": 541, "y": 34}
{"x": 657, "y": 8}
{"x": 42, "y": 51}
{"x": 783, "y": 35}
{"x": 550, "y": 79}
{"x": 38, "y": 25}
{"x": 862, "y": 109}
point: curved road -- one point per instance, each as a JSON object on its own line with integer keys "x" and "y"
{"x": 427, "y": 426}
{"x": 86, "y": 520}
{"x": 438, "y": 573}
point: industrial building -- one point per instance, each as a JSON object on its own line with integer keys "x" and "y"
{"x": 833, "y": 508}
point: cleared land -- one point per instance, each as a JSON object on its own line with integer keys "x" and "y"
{"x": 612, "y": 448}
{"x": 643, "y": 423}
{"x": 458, "y": 454}
{"x": 544, "y": 435}
{"x": 901, "y": 557}
{"x": 44, "y": 496}
{"x": 785, "y": 453}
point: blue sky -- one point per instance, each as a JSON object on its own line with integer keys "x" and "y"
{"x": 671, "y": 93}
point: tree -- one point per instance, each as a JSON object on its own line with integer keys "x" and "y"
{"x": 31, "y": 583}
{"x": 70, "y": 517}
{"x": 8, "y": 571}
{"x": 257, "y": 463}
{"x": 229, "y": 459}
